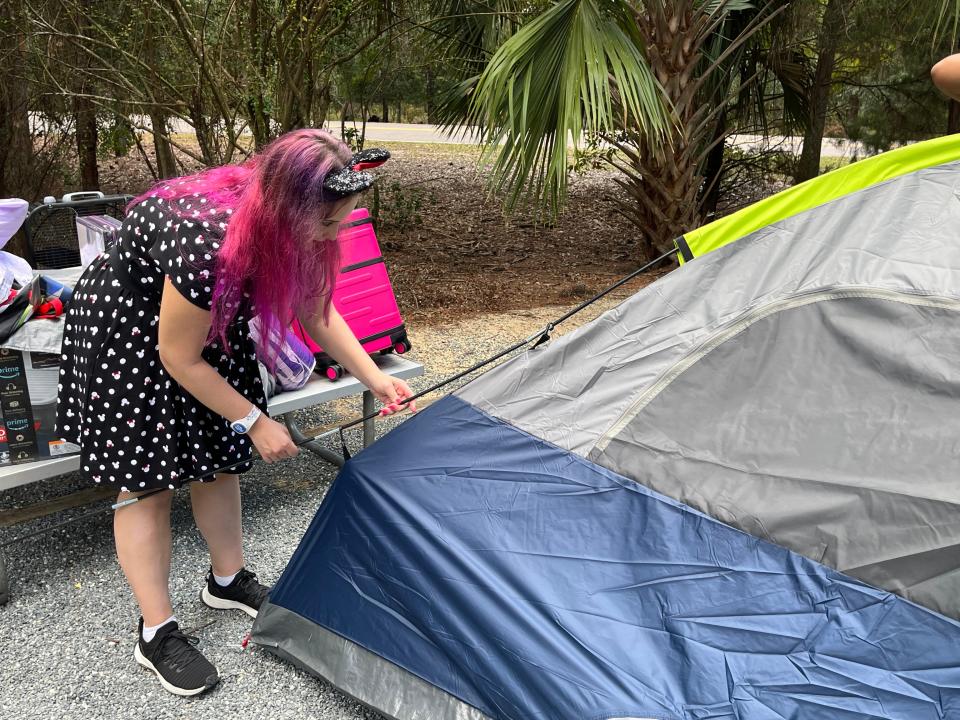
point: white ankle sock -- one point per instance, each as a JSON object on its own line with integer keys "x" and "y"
{"x": 150, "y": 631}
{"x": 224, "y": 580}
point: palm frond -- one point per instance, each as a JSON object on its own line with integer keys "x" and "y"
{"x": 948, "y": 22}
{"x": 712, "y": 7}
{"x": 552, "y": 82}
{"x": 466, "y": 33}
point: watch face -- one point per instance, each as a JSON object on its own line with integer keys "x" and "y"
{"x": 239, "y": 428}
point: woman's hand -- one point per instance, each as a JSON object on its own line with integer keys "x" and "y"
{"x": 338, "y": 341}
{"x": 272, "y": 440}
{"x": 391, "y": 392}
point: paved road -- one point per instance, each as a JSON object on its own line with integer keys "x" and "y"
{"x": 398, "y": 132}
{"x": 422, "y": 133}
{"x": 830, "y": 147}
{"x": 408, "y": 132}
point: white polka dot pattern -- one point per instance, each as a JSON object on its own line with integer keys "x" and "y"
{"x": 136, "y": 427}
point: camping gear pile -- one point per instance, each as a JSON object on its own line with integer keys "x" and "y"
{"x": 58, "y": 234}
{"x": 25, "y": 295}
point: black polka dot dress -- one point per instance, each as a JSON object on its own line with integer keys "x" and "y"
{"x": 136, "y": 427}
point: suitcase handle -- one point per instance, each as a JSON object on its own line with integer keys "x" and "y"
{"x": 82, "y": 195}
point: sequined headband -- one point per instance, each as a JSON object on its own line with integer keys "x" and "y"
{"x": 351, "y": 178}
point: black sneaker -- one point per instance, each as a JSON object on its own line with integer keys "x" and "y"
{"x": 244, "y": 593}
{"x": 180, "y": 667}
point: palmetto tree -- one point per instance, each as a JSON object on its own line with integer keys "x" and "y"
{"x": 652, "y": 78}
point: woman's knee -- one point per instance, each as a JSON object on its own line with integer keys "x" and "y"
{"x": 217, "y": 482}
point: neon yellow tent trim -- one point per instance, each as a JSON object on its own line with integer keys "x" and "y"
{"x": 818, "y": 191}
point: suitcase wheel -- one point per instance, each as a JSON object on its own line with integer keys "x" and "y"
{"x": 401, "y": 346}
{"x": 334, "y": 372}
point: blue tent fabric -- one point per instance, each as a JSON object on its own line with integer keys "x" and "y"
{"x": 531, "y": 583}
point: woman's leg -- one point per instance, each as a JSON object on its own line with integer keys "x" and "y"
{"x": 216, "y": 509}
{"x": 142, "y": 533}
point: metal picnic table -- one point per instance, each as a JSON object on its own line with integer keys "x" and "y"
{"x": 283, "y": 405}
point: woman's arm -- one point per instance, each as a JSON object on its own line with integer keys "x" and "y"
{"x": 182, "y": 335}
{"x": 338, "y": 341}
{"x": 946, "y": 76}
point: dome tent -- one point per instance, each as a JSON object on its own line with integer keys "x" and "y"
{"x": 732, "y": 496}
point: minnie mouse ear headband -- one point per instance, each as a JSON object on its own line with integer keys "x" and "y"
{"x": 351, "y": 178}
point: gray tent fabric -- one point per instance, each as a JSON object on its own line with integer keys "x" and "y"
{"x": 800, "y": 384}
{"x": 365, "y": 676}
{"x": 803, "y": 430}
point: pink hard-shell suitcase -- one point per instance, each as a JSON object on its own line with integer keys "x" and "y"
{"x": 363, "y": 295}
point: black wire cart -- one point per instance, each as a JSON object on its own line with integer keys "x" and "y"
{"x": 50, "y": 230}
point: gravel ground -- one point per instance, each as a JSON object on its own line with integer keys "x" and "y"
{"x": 67, "y": 635}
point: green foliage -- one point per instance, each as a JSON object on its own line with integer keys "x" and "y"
{"x": 535, "y": 75}
{"x": 595, "y": 153}
{"x": 116, "y": 139}
{"x": 662, "y": 83}
{"x": 885, "y": 96}
{"x": 753, "y": 167}
{"x": 947, "y": 27}
{"x": 352, "y": 137}
{"x": 884, "y": 116}
{"x": 553, "y": 80}
{"x": 398, "y": 207}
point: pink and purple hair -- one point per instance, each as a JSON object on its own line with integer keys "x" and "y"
{"x": 276, "y": 203}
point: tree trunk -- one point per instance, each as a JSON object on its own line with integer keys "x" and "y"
{"x": 953, "y": 118}
{"x": 343, "y": 119}
{"x": 16, "y": 141}
{"x": 206, "y": 138}
{"x": 295, "y": 91}
{"x": 291, "y": 114}
{"x": 831, "y": 28}
{"x": 84, "y": 111}
{"x": 166, "y": 162}
{"x": 713, "y": 169}
{"x": 431, "y": 89}
{"x": 384, "y": 110}
{"x": 258, "y": 39}
{"x": 662, "y": 176}
{"x": 85, "y": 117}
{"x": 323, "y": 100}
{"x": 259, "y": 120}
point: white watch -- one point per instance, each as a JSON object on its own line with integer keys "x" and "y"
{"x": 243, "y": 425}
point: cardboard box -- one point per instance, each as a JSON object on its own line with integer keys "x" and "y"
{"x": 28, "y": 407}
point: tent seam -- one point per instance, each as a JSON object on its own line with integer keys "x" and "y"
{"x": 745, "y": 321}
